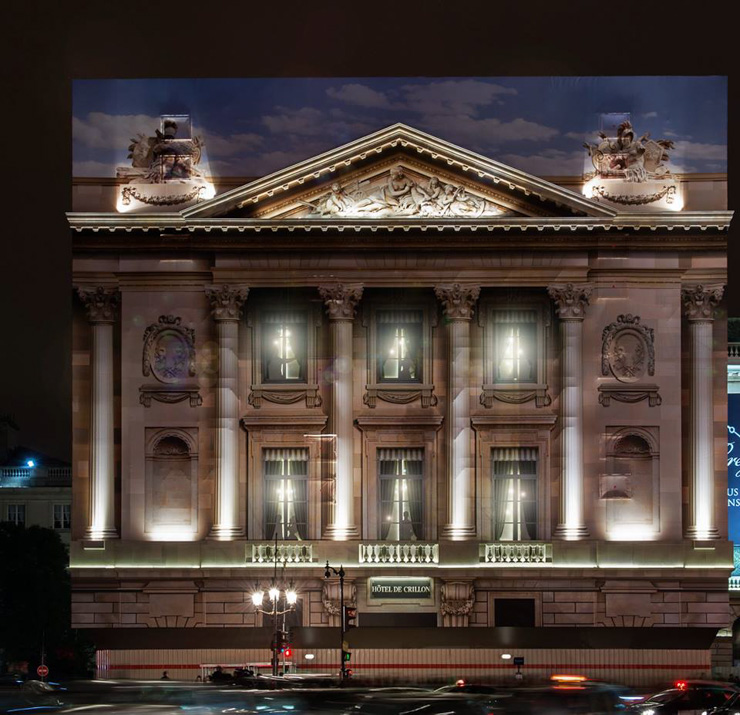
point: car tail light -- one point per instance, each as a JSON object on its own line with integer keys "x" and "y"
{"x": 681, "y": 684}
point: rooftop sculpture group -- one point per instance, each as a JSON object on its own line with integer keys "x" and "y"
{"x": 635, "y": 160}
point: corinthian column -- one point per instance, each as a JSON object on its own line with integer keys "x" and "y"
{"x": 226, "y": 309}
{"x": 698, "y": 303}
{"x": 570, "y": 304}
{"x": 102, "y": 307}
{"x": 341, "y": 301}
{"x": 458, "y": 302}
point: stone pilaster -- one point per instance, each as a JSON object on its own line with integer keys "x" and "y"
{"x": 226, "y": 308}
{"x": 570, "y": 304}
{"x": 101, "y": 304}
{"x": 458, "y": 303}
{"x": 699, "y": 302}
{"x": 341, "y": 302}
{"x": 330, "y": 598}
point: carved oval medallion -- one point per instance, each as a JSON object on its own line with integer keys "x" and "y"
{"x": 170, "y": 356}
{"x": 627, "y": 356}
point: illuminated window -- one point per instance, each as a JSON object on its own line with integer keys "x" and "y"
{"x": 401, "y": 494}
{"x": 62, "y": 516}
{"x": 514, "y": 507}
{"x": 286, "y": 493}
{"x": 515, "y": 346}
{"x": 17, "y": 514}
{"x": 284, "y": 347}
{"x": 399, "y": 346}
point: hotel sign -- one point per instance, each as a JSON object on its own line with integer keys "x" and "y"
{"x": 400, "y": 588}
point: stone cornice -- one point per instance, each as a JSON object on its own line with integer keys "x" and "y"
{"x": 176, "y": 223}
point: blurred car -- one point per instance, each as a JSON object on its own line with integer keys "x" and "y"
{"x": 731, "y": 707}
{"x": 687, "y": 696}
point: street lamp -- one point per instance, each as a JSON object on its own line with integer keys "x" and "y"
{"x": 327, "y": 574}
{"x": 288, "y": 597}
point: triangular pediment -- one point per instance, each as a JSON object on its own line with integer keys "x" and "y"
{"x": 397, "y": 172}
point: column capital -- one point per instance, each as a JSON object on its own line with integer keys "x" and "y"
{"x": 570, "y": 300}
{"x": 699, "y": 301}
{"x": 341, "y": 299}
{"x": 227, "y": 301}
{"x": 458, "y": 300}
{"x": 100, "y": 302}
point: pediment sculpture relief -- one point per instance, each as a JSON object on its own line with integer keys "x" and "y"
{"x": 401, "y": 195}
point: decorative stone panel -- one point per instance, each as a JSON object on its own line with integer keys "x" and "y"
{"x": 457, "y": 603}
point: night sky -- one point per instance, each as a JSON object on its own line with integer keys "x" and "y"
{"x": 253, "y": 127}
{"x": 49, "y": 45}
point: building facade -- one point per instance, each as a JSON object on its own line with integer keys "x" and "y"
{"x": 498, "y": 403}
{"x": 35, "y": 489}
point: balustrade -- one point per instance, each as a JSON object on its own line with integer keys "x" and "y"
{"x": 295, "y": 553}
{"x": 516, "y": 552}
{"x": 399, "y": 553}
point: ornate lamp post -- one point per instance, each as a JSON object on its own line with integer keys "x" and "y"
{"x": 327, "y": 574}
{"x": 282, "y": 600}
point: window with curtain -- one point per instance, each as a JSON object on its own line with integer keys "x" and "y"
{"x": 17, "y": 514}
{"x": 514, "y": 493}
{"x": 401, "y": 494}
{"x": 515, "y": 346}
{"x": 284, "y": 346}
{"x": 62, "y": 516}
{"x": 399, "y": 345}
{"x": 286, "y": 493}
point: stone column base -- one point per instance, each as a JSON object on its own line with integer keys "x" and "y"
{"x": 100, "y": 534}
{"x": 341, "y": 533}
{"x": 571, "y": 533}
{"x": 696, "y": 534}
{"x": 226, "y": 533}
{"x": 458, "y": 533}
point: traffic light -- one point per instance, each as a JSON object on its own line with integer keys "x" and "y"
{"x": 349, "y": 615}
{"x": 346, "y": 655}
{"x": 288, "y": 652}
{"x": 348, "y": 672}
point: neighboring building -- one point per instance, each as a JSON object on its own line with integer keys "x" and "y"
{"x": 495, "y": 402}
{"x": 35, "y": 489}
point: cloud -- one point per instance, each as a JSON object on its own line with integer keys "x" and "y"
{"x": 93, "y": 168}
{"x": 220, "y": 145}
{"x": 550, "y": 162}
{"x": 482, "y": 134}
{"x": 359, "y": 95}
{"x": 697, "y": 150}
{"x": 452, "y": 97}
{"x": 305, "y": 121}
{"x": 99, "y": 130}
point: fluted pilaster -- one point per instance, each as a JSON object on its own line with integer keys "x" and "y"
{"x": 101, "y": 304}
{"x": 341, "y": 302}
{"x": 458, "y": 304}
{"x": 570, "y": 304}
{"x": 226, "y": 308}
{"x": 699, "y": 302}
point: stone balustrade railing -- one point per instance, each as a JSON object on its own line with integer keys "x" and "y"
{"x": 516, "y": 552}
{"x": 399, "y": 553}
{"x": 36, "y": 476}
{"x": 733, "y": 350}
{"x": 290, "y": 553}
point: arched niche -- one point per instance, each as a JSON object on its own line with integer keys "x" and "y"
{"x": 171, "y": 485}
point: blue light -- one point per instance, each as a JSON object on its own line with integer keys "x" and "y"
{"x": 30, "y": 463}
